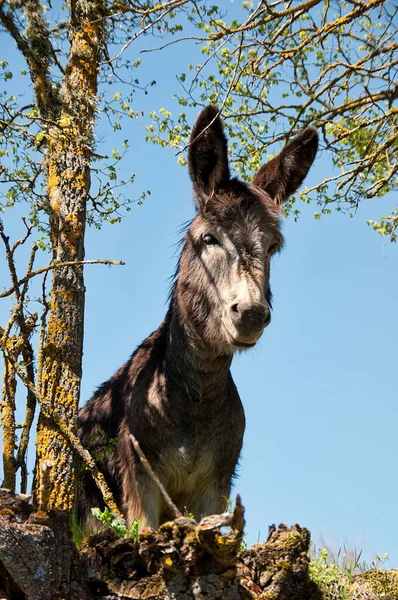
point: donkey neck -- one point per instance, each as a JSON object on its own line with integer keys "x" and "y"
{"x": 196, "y": 370}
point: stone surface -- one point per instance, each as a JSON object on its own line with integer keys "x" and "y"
{"x": 37, "y": 558}
{"x": 184, "y": 560}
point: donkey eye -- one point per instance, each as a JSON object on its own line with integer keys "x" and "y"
{"x": 273, "y": 248}
{"x": 210, "y": 240}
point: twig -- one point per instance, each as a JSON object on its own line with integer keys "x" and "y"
{"x": 22, "y": 240}
{"x": 154, "y": 478}
{"x": 22, "y": 345}
{"x": 146, "y": 27}
{"x": 28, "y": 358}
{"x": 230, "y": 87}
{"x": 42, "y": 336}
{"x": 58, "y": 265}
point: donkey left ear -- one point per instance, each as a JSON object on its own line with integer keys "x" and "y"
{"x": 208, "y": 155}
{"x": 284, "y": 174}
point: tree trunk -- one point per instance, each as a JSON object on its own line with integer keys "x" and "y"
{"x": 68, "y": 173}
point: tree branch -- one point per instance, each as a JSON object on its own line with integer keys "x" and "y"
{"x": 59, "y": 265}
{"x": 37, "y": 51}
{"x": 172, "y": 507}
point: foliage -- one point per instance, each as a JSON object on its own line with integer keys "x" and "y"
{"x": 278, "y": 67}
{"x": 332, "y": 579}
{"x": 340, "y": 577}
{"x": 228, "y": 504}
{"x": 25, "y": 135}
{"x": 102, "y": 450}
{"x": 387, "y": 226}
{"x": 109, "y": 519}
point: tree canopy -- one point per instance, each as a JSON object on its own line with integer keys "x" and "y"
{"x": 275, "y": 67}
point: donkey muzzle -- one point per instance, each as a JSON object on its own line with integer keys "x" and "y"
{"x": 250, "y": 319}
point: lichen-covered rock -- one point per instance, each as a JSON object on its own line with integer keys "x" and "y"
{"x": 15, "y": 508}
{"x": 376, "y": 584}
{"x": 184, "y": 560}
{"x": 278, "y": 569}
{"x": 189, "y": 561}
{"x": 37, "y": 559}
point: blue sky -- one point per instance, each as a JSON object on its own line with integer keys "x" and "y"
{"x": 319, "y": 390}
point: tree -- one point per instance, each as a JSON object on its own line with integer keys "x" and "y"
{"x": 285, "y": 65}
{"x": 48, "y": 151}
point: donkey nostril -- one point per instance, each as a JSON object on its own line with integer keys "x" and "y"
{"x": 235, "y": 308}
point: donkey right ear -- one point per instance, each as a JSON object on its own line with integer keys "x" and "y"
{"x": 208, "y": 155}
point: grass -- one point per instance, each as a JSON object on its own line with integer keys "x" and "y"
{"x": 109, "y": 520}
{"x": 341, "y": 575}
{"x": 78, "y": 535}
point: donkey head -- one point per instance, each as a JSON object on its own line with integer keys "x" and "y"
{"x": 223, "y": 292}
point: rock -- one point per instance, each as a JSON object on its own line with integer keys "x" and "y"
{"x": 37, "y": 558}
{"x": 376, "y": 584}
{"x": 183, "y": 560}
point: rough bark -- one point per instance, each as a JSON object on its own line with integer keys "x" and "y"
{"x": 68, "y": 175}
{"x": 7, "y": 418}
{"x": 12, "y": 460}
{"x": 183, "y": 560}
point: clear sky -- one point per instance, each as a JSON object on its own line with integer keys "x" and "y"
{"x": 319, "y": 389}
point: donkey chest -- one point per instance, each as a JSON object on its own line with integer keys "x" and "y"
{"x": 191, "y": 460}
{"x": 187, "y": 471}
{"x": 196, "y": 434}
{"x": 193, "y": 451}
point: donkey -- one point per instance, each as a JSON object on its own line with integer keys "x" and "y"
{"x": 176, "y": 394}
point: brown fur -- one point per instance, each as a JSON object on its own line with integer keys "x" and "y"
{"x": 176, "y": 393}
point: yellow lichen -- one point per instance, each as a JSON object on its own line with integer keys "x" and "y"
{"x": 381, "y": 582}
{"x": 226, "y": 540}
{"x": 68, "y": 185}
{"x": 167, "y": 562}
{"x": 7, "y": 420}
{"x": 80, "y": 181}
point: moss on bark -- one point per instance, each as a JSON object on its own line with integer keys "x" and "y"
{"x": 68, "y": 178}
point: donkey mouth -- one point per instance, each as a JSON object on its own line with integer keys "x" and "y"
{"x": 243, "y": 345}
{"x": 239, "y": 343}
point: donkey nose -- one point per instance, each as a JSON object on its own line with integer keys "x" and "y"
{"x": 250, "y": 318}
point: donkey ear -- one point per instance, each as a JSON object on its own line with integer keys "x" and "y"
{"x": 284, "y": 174}
{"x": 208, "y": 155}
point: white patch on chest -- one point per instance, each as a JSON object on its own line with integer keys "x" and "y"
{"x": 187, "y": 472}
